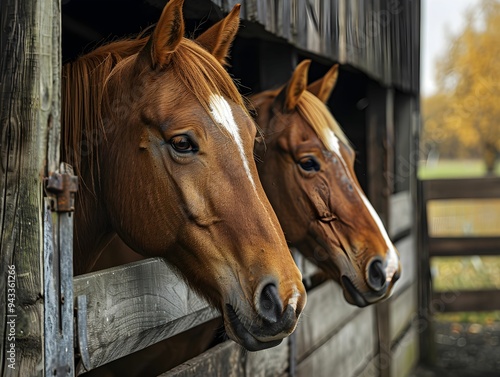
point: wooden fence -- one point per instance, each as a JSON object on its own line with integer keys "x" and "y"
{"x": 447, "y": 246}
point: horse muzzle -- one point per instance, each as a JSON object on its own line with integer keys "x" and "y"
{"x": 380, "y": 277}
{"x": 271, "y": 321}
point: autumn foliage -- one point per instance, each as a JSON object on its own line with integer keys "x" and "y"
{"x": 462, "y": 119}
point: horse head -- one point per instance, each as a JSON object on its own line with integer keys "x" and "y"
{"x": 171, "y": 171}
{"x": 307, "y": 170}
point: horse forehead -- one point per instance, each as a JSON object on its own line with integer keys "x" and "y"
{"x": 223, "y": 115}
{"x": 226, "y": 115}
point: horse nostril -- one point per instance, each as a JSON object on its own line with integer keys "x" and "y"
{"x": 270, "y": 306}
{"x": 376, "y": 275}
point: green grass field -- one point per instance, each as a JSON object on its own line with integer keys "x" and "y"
{"x": 455, "y": 169}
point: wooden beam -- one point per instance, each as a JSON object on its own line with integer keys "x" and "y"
{"x": 466, "y": 301}
{"x": 463, "y": 188}
{"x": 29, "y": 107}
{"x": 463, "y": 246}
{"x": 133, "y": 306}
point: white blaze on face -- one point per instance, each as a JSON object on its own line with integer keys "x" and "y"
{"x": 292, "y": 301}
{"x": 222, "y": 114}
{"x": 392, "y": 259}
{"x": 333, "y": 143}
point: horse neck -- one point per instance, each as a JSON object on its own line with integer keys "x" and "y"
{"x": 92, "y": 231}
{"x": 82, "y": 136}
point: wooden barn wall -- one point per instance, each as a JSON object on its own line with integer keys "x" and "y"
{"x": 29, "y": 134}
{"x": 378, "y": 37}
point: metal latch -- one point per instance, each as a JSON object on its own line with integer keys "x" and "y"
{"x": 64, "y": 186}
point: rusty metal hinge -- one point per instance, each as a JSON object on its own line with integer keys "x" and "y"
{"x": 64, "y": 186}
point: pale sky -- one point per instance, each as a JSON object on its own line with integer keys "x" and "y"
{"x": 439, "y": 17}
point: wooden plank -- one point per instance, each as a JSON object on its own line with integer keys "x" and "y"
{"x": 400, "y": 213}
{"x": 407, "y": 253}
{"x": 133, "y": 306}
{"x": 463, "y": 246}
{"x": 325, "y": 312}
{"x": 403, "y": 310}
{"x": 268, "y": 363}
{"x": 463, "y": 188}
{"x": 370, "y": 369}
{"x": 29, "y": 105}
{"x": 346, "y": 352}
{"x": 464, "y": 301}
{"x": 405, "y": 354}
{"x": 223, "y": 360}
{"x": 230, "y": 359}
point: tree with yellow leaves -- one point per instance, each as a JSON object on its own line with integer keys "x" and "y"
{"x": 464, "y": 115}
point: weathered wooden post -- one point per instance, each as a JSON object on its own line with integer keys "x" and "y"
{"x": 30, "y": 61}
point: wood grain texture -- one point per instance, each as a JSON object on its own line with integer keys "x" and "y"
{"x": 268, "y": 363}
{"x": 325, "y": 312}
{"x": 230, "y": 359}
{"x": 223, "y": 360}
{"x": 345, "y": 353}
{"x": 133, "y": 306}
{"x": 380, "y": 38}
{"x": 404, "y": 310}
{"x": 405, "y": 354}
{"x": 29, "y": 101}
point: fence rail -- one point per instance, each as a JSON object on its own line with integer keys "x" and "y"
{"x": 448, "y": 189}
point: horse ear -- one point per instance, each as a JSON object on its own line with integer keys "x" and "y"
{"x": 323, "y": 87}
{"x": 168, "y": 33}
{"x": 292, "y": 92}
{"x": 218, "y": 38}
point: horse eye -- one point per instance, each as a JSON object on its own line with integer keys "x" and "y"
{"x": 309, "y": 164}
{"x": 183, "y": 144}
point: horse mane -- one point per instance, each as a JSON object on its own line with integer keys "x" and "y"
{"x": 317, "y": 115}
{"x": 309, "y": 107}
{"x": 84, "y": 89}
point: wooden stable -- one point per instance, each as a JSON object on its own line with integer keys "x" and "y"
{"x": 127, "y": 308}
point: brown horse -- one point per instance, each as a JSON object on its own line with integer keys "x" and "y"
{"x": 163, "y": 144}
{"x": 307, "y": 170}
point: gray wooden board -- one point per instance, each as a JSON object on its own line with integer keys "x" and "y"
{"x": 29, "y": 103}
{"x": 400, "y": 213}
{"x": 405, "y": 354}
{"x": 268, "y": 363}
{"x": 325, "y": 311}
{"x": 370, "y": 369}
{"x": 346, "y": 352}
{"x": 407, "y": 252}
{"x": 223, "y": 360}
{"x": 133, "y": 306}
{"x": 230, "y": 359}
{"x": 403, "y": 310}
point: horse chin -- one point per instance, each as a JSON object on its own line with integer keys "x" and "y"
{"x": 352, "y": 294}
{"x": 240, "y": 334}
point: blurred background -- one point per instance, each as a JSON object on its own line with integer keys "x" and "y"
{"x": 460, "y": 144}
